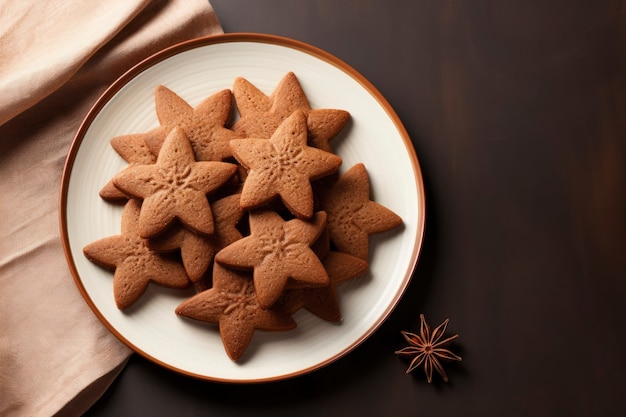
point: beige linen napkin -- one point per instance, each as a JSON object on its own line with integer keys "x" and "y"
{"x": 56, "y": 58}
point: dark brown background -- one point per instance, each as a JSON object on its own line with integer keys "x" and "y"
{"x": 517, "y": 111}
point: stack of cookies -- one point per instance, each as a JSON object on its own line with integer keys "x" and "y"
{"x": 253, "y": 214}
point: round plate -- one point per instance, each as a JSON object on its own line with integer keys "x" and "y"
{"x": 195, "y": 70}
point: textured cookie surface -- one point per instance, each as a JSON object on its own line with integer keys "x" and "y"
{"x": 261, "y": 114}
{"x": 277, "y": 251}
{"x": 198, "y": 250}
{"x": 204, "y": 125}
{"x": 175, "y": 187}
{"x": 324, "y": 301}
{"x": 233, "y": 304}
{"x": 134, "y": 263}
{"x": 133, "y": 149}
{"x": 352, "y": 216}
{"x": 283, "y": 166}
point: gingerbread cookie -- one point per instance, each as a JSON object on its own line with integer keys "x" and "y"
{"x": 261, "y": 114}
{"x": 233, "y": 303}
{"x": 133, "y": 149}
{"x": 324, "y": 301}
{"x": 134, "y": 263}
{"x": 277, "y": 251}
{"x": 283, "y": 166}
{"x": 204, "y": 125}
{"x": 175, "y": 187}
{"x": 352, "y": 216}
{"x": 198, "y": 250}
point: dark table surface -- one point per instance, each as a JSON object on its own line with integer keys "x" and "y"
{"x": 517, "y": 111}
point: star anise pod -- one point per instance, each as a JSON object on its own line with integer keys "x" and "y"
{"x": 428, "y": 349}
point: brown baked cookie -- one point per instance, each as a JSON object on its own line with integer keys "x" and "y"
{"x": 352, "y": 216}
{"x": 175, "y": 187}
{"x": 321, "y": 247}
{"x": 233, "y": 304}
{"x": 197, "y": 250}
{"x": 260, "y": 115}
{"x": 283, "y": 166}
{"x": 204, "y": 124}
{"x": 277, "y": 251}
{"x": 134, "y": 263}
{"x": 133, "y": 149}
{"x": 324, "y": 301}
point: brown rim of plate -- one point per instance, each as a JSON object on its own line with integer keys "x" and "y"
{"x": 114, "y": 88}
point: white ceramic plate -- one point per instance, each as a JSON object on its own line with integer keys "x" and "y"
{"x": 195, "y": 70}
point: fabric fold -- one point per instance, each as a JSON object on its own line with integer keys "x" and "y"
{"x": 38, "y": 56}
{"x": 56, "y": 358}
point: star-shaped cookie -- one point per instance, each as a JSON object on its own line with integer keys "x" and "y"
{"x": 260, "y": 114}
{"x": 277, "y": 251}
{"x": 324, "y": 301}
{"x": 133, "y": 149}
{"x": 283, "y": 166}
{"x": 233, "y": 304}
{"x": 197, "y": 251}
{"x": 175, "y": 187}
{"x": 352, "y": 216}
{"x": 134, "y": 263}
{"x": 204, "y": 124}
